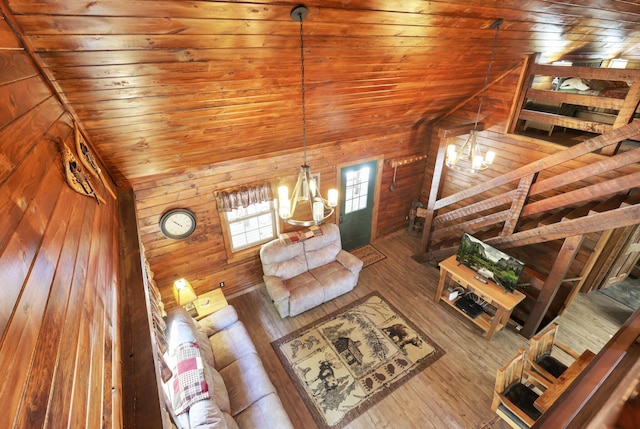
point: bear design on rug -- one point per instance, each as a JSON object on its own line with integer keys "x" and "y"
{"x": 327, "y": 375}
{"x": 399, "y": 333}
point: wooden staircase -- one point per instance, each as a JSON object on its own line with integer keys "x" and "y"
{"x": 555, "y": 225}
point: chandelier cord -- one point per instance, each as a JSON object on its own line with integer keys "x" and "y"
{"x": 304, "y": 114}
{"x": 496, "y": 24}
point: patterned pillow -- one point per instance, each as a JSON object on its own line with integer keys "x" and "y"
{"x": 189, "y": 385}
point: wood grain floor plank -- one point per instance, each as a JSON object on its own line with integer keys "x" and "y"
{"x": 456, "y": 390}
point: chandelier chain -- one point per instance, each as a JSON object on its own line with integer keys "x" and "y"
{"x": 496, "y": 24}
{"x": 306, "y": 206}
{"x": 304, "y": 114}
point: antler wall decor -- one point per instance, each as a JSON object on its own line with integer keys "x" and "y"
{"x": 74, "y": 174}
{"x": 88, "y": 160}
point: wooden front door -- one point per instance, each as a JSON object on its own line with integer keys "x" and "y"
{"x": 357, "y": 189}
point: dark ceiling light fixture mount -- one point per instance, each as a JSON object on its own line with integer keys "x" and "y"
{"x": 305, "y": 206}
{"x": 469, "y": 157}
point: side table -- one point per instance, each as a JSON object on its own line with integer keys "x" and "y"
{"x": 209, "y": 302}
{"x": 502, "y": 301}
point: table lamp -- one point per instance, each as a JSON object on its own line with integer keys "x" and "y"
{"x": 184, "y": 294}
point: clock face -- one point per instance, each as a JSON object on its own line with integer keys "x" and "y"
{"x": 178, "y": 224}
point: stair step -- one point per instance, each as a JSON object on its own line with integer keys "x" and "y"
{"x": 555, "y": 217}
{"x": 538, "y": 257}
{"x": 581, "y": 211}
{"x": 632, "y": 199}
{"x": 546, "y": 219}
{"x": 446, "y": 243}
{"x": 488, "y": 233}
{"x": 609, "y": 204}
{"x": 530, "y": 223}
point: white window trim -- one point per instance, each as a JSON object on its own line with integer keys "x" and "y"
{"x": 253, "y": 248}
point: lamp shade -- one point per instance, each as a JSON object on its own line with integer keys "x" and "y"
{"x": 183, "y": 292}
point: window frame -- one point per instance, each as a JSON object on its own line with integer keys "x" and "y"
{"x": 254, "y": 248}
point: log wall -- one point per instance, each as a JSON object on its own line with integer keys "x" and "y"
{"x": 59, "y": 350}
{"x": 202, "y": 258}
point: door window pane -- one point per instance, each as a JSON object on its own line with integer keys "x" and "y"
{"x": 356, "y": 190}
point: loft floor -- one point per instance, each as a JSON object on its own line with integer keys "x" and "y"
{"x": 455, "y": 391}
{"x": 569, "y": 137}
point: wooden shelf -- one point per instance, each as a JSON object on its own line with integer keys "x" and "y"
{"x": 483, "y": 320}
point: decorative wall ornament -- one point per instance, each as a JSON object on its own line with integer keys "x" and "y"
{"x": 89, "y": 161}
{"x": 74, "y": 174}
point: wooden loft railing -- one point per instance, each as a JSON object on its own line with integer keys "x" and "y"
{"x": 528, "y": 187}
{"x": 529, "y": 198}
{"x": 594, "y": 110}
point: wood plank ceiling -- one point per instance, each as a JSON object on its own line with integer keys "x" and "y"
{"x": 160, "y": 86}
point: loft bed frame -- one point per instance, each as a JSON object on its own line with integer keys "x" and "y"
{"x": 544, "y": 101}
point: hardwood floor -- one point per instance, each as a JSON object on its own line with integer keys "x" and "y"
{"x": 456, "y": 390}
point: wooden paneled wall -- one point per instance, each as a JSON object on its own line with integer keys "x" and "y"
{"x": 59, "y": 350}
{"x": 512, "y": 151}
{"x": 496, "y": 106}
{"x": 202, "y": 258}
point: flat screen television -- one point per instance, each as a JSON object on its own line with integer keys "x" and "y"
{"x": 489, "y": 262}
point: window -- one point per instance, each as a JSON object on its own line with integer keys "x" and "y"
{"x": 252, "y": 225}
{"x": 356, "y": 190}
{"x": 248, "y": 218}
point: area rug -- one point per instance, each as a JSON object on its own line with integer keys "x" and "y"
{"x": 354, "y": 357}
{"x": 368, "y": 254}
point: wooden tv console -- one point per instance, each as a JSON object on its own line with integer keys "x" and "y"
{"x": 455, "y": 274}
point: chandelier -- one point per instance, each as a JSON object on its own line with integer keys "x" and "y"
{"x": 470, "y": 153}
{"x": 305, "y": 206}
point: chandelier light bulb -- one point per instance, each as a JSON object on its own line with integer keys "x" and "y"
{"x": 476, "y": 163}
{"x": 333, "y": 197}
{"x": 284, "y": 206}
{"x": 318, "y": 211}
{"x": 491, "y": 156}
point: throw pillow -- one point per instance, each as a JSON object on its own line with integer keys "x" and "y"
{"x": 189, "y": 385}
{"x": 297, "y": 236}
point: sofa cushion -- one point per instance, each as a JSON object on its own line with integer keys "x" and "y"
{"x": 181, "y": 328}
{"x": 220, "y": 394}
{"x": 350, "y": 262}
{"x": 335, "y": 279}
{"x": 218, "y": 320}
{"x": 246, "y": 381}
{"x": 266, "y": 413}
{"x": 323, "y": 249}
{"x": 205, "y": 348}
{"x": 281, "y": 260}
{"x": 206, "y": 414}
{"x": 231, "y": 344}
{"x": 231, "y": 423}
{"x": 305, "y": 292}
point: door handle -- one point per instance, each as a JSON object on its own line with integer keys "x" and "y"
{"x": 341, "y": 219}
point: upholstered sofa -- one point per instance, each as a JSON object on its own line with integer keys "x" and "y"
{"x": 305, "y": 269}
{"x": 237, "y": 393}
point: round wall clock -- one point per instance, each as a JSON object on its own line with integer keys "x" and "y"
{"x": 177, "y": 224}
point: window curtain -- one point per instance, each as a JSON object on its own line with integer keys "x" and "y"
{"x": 243, "y": 196}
